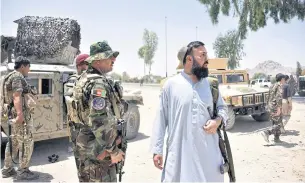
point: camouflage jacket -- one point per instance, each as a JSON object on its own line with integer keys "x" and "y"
{"x": 15, "y": 82}
{"x": 99, "y": 132}
{"x": 275, "y": 97}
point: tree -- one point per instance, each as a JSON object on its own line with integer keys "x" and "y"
{"x": 116, "y": 76}
{"x": 148, "y": 50}
{"x": 125, "y": 76}
{"x": 259, "y": 75}
{"x": 229, "y": 46}
{"x": 299, "y": 69}
{"x": 253, "y": 14}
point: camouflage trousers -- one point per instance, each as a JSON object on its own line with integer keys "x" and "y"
{"x": 74, "y": 131}
{"x": 99, "y": 171}
{"x": 276, "y": 126}
{"x": 22, "y": 141}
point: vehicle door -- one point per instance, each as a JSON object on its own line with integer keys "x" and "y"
{"x": 47, "y": 115}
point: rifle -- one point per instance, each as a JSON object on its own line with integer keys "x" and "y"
{"x": 9, "y": 123}
{"x": 122, "y": 128}
{"x": 225, "y": 148}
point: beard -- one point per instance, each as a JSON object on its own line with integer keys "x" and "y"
{"x": 199, "y": 71}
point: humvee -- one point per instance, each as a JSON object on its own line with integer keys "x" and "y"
{"x": 235, "y": 89}
{"x": 48, "y": 74}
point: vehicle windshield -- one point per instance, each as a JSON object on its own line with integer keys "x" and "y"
{"x": 235, "y": 78}
{"x": 301, "y": 78}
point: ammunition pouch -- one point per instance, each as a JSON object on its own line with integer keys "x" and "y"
{"x": 4, "y": 112}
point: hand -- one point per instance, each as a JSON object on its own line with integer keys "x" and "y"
{"x": 117, "y": 157}
{"x": 211, "y": 126}
{"x": 19, "y": 119}
{"x": 118, "y": 141}
{"x": 158, "y": 161}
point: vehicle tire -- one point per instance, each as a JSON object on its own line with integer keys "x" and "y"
{"x": 132, "y": 117}
{"x": 301, "y": 94}
{"x": 231, "y": 120}
{"x": 261, "y": 117}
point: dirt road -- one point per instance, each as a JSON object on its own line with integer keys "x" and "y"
{"x": 254, "y": 160}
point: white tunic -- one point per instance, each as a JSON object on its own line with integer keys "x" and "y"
{"x": 192, "y": 155}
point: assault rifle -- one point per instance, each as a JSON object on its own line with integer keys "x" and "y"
{"x": 121, "y": 127}
{"x": 225, "y": 148}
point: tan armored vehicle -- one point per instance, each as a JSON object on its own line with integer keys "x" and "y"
{"x": 238, "y": 95}
{"x": 301, "y": 84}
{"x": 48, "y": 75}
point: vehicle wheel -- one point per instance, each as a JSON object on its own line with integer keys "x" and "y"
{"x": 301, "y": 94}
{"x": 3, "y": 145}
{"x": 231, "y": 120}
{"x": 261, "y": 117}
{"x": 132, "y": 117}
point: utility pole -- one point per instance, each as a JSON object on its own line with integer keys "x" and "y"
{"x": 196, "y": 33}
{"x": 166, "y": 46}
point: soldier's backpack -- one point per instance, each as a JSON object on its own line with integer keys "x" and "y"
{"x": 75, "y": 103}
{"x": 3, "y": 98}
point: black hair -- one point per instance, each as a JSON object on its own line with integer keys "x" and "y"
{"x": 279, "y": 77}
{"x": 190, "y": 46}
{"x": 21, "y": 61}
{"x": 286, "y": 77}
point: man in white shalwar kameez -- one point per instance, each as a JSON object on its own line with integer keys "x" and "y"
{"x": 192, "y": 149}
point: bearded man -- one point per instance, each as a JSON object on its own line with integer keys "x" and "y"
{"x": 192, "y": 152}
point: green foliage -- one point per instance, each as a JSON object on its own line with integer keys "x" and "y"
{"x": 259, "y": 76}
{"x": 231, "y": 47}
{"x": 148, "y": 50}
{"x": 299, "y": 69}
{"x": 116, "y": 76}
{"x": 253, "y": 14}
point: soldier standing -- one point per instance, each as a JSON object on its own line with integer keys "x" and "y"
{"x": 98, "y": 111}
{"x": 15, "y": 90}
{"x": 81, "y": 66}
{"x": 275, "y": 108}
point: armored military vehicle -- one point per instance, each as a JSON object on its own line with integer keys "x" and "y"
{"x": 52, "y": 44}
{"x": 235, "y": 89}
{"x": 301, "y": 84}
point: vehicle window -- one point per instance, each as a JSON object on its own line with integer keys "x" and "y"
{"x": 302, "y": 78}
{"x": 219, "y": 77}
{"x": 235, "y": 78}
{"x": 260, "y": 81}
{"x": 46, "y": 86}
{"x": 33, "y": 82}
{"x": 253, "y": 82}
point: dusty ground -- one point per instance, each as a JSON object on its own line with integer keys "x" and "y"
{"x": 253, "y": 159}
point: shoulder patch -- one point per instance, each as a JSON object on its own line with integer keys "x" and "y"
{"x": 99, "y": 92}
{"x": 98, "y": 103}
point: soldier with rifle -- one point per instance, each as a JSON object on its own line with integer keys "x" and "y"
{"x": 196, "y": 151}
{"x": 97, "y": 106}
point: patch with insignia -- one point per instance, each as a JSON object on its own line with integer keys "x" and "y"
{"x": 99, "y": 92}
{"x": 98, "y": 103}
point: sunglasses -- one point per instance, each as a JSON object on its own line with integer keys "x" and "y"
{"x": 190, "y": 46}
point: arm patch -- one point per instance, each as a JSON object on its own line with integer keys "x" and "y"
{"x": 98, "y": 103}
{"x": 99, "y": 92}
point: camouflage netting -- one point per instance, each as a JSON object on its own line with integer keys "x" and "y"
{"x": 47, "y": 40}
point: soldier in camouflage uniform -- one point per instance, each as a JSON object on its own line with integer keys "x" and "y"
{"x": 97, "y": 112}
{"x": 275, "y": 109}
{"x": 15, "y": 90}
{"x": 81, "y": 66}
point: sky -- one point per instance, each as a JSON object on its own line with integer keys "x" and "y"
{"x": 122, "y": 24}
